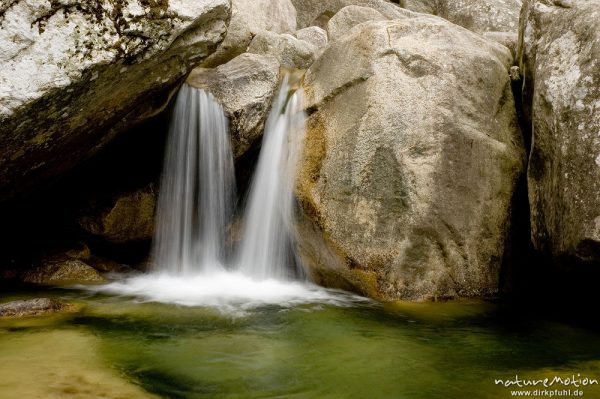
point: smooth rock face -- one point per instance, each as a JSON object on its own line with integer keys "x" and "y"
{"x": 476, "y": 15}
{"x": 31, "y": 307}
{"x": 245, "y": 87}
{"x": 58, "y": 272}
{"x": 289, "y": 51}
{"x": 129, "y": 217}
{"x": 248, "y": 18}
{"x": 560, "y": 57}
{"x": 412, "y": 156}
{"x": 313, "y": 35}
{"x": 348, "y": 17}
{"x": 315, "y": 12}
{"x": 74, "y": 74}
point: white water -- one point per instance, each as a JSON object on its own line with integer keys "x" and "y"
{"x": 195, "y": 207}
{"x": 197, "y": 190}
{"x": 268, "y": 219}
{"x": 230, "y": 293}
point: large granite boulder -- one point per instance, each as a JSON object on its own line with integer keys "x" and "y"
{"x": 245, "y": 87}
{"x": 559, "y": 55}
{"x": 476, "y": 15}
{"x": 73, "y": 74}
{"x": 318, "y": 12}
{"x": 412, "y": 157}
{"x": 248, "y": 18}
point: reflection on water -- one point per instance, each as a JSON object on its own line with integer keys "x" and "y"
{"x": 119, "y": 347}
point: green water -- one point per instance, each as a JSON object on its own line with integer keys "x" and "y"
{"x": 115, "y": 347}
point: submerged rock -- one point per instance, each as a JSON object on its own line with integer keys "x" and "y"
{"x": 125, "y": 218}
{"x": 75, "y": 74}
{"x": 248, "y": 18}
{"x": 559, "y": 55}
{"x": 245, "y": 87}
{"x": 412, "y": 157}
{"x": 32, "y": 307}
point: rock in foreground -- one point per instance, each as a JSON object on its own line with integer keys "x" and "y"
{"x": 412, "y": 157}
{"x": 32, "y": 307}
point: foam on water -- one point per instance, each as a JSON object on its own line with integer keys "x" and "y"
{"x": 228, "y": 292}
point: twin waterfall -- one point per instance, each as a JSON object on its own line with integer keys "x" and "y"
{"x": 197, "y": 196}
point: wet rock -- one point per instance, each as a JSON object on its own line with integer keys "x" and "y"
{"x": 33, "y": 307}
{"x": 245, "y": 86}
{"x": 75, "y": 74}
{"x": 59, "y": 272}
{"x": 412, "y": 157}
{"x": 125, "y": 218}
{"x": 104, "y": 265}
{"x": 559, "y": 55}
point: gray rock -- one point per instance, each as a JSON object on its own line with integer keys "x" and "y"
{"x": 318, "y": 12}
{"x": 313, "y": 35}
{"x": 508, "y": 39}
{"x": 350, "y": 16}
{"x": 476, "y": 15}
{"x": 245, "y": 86}
{"x": 72, "y": 71}
{"x": 248, "y": 18}
{"x": 289, "y": 51}
{"x": 411, "y": 161}
{"x": 125, "y": 218}
{"x": 560, "y": 58}
{"x": 424, "y": 6}
{"x": 32, "y": 307}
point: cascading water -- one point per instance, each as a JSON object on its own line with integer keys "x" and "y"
{"x": 264, "y": 249}
{"x": 197, "y": 189}
{"x": 195, "y": 206}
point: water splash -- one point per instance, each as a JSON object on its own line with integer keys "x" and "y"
{"x": 264, "y": 251}
{"x": 197, "y": 189}
{"x": 230, "y": 293}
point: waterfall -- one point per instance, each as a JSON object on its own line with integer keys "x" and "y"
{"x": 197, "y": 190}
{"x": 195, "y": 206}
{"x": 264, "y": 251}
